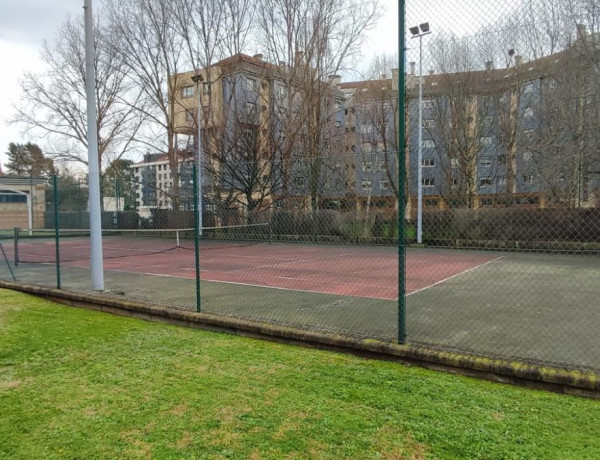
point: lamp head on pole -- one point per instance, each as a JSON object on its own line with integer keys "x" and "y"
{"x": 197, "y": 78}
{"x": 414, "y": 30}
{"x": 424, "y": 27}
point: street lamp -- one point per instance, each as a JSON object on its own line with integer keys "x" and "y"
{"x": 419, "y": 32}
{"x": 198, "y": 79}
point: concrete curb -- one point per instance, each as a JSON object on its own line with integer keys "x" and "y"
{"x": 530, "y": 374}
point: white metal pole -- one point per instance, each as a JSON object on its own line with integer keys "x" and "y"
{"x": 420, "y": 150}
{"x": 96, "y": 263}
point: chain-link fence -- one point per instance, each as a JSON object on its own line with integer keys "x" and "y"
{"x": 489, "y": 244}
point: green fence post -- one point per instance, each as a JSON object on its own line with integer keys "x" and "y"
{"x": 197, "y": 211}
{"x": 16, "y": 245}
{"x": 56, "y": 230}
{"x": 401, "y": 178}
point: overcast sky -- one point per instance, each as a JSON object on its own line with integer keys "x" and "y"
{"x": 24, "y": 24}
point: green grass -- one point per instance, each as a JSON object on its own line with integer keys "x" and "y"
{"x": 82, "y": 384}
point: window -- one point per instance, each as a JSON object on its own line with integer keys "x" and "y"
{"x": 8, "y": 196}
{"x": 528, "y": 112}
{"x": 428, "y": 182}
{"x": 527, "y": 156}
{"x": 299, "y": 181}
{"x": 428, "y": 144}
{"x": 187, "y": 91}
{"x": 250, "y": 109}
{"x": 485, "y": 162}
{"x": 528, "y": 135}
{"x": 486, "y": 141}
{"x": 454, "y": 163}
{"x": 427, "y": 103}
{"x": 501, "y": 159}
{"x": 366, "y": 129}
{"x": 485, "y": 182}
{"x": 251, "y": 84}
{"x": 431, "y": 203}
{"x": 487, "y": 202}
{"x": 384, "y": 185}
{"x": 206, "y": 88}
{"x": 428, "y": 123}
{"x": 189, "y": 115}
{"x": 528, "y": 88}
{"x": 487, "y": 121}
{"x": 366, "y": 185}
{"x": 428, "y": 162}
{"x": 366, "y": 166}
{"x": 454, "y": 182}
{"x": 528, "y": 178}
{"x": 501, "y": 181}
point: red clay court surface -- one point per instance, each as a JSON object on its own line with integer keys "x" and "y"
{"x": 370, "y": 272}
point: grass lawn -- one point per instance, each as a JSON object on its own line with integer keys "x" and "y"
{"x": 81, "y": 384}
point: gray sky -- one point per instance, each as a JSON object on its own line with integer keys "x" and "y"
{"x": 24, "y": 24}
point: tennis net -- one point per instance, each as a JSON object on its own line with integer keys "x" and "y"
{"x": 39, "y": 246}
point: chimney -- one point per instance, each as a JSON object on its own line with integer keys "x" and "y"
{"x": 383, "y": 76}
{"x": 298, "y": 57}
{"x": 518, "y": 60}
{"x": 258, "y": 56}
{"x": 489, "y": 65}
{"x": 412, "y": 67}
{"x": 335, "y": 80}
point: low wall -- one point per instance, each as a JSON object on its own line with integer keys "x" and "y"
{"x": 530, "y": 374}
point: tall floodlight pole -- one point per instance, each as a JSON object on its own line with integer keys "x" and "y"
{"x": 96, "y": 263}
{"x": 198, "y": 79}
{"x": 416, "y": 33}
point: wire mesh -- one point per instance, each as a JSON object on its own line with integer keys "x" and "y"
{"x": 301, "y": 200}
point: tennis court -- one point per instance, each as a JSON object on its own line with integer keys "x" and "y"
{"x": 370, "y": 272}
{"x": 509, "y": 304}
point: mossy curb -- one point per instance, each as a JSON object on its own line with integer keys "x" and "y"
{"x": 554, "y": 378}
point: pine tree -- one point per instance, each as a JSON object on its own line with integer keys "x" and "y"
{"x": 25, "y": 160}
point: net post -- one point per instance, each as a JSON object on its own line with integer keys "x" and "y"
{"x": 177, "y": 245}
{"x": 197, "y": 211}
{"x": 16, "y": 245}
{"x": 270, "y": 233}
{"x": 401, "y": 177}
{"x": 56, "y": 231}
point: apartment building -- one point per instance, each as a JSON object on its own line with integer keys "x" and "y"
{"x": 523, "y": 135}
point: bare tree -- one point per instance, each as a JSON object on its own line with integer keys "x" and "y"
{"x": 53, "y": 103}
{"x": 153, "y": 52}
{"x": 311, "y": 40}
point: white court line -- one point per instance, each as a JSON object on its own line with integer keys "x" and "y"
{"x": 327, "y": 282}
{"x": 282, "y": 263}
{"x": 454, "y": 276}
{"x": 255, "y": 285}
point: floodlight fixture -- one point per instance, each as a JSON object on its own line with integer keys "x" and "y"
{"x": 414, "y": 30}
{"x": 424, "y": 27}
{"x": 197, "y": 78}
